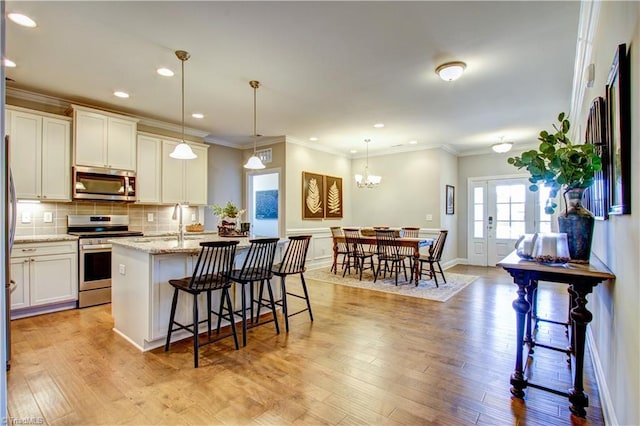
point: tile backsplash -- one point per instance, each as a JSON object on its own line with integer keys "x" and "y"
{"x": 31, "y": 216}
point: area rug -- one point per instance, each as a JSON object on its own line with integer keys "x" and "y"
{"x": 426, "y": 289}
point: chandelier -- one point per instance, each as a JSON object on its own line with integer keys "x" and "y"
{"x": 254, "y": 162}
{"x": 183, "y": 151}
{"x": 367, "y": 181}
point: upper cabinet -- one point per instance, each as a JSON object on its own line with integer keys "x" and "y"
{"x": 184, "y": 181}
{"x": 103, "y": 139}
{"x": 40, "y": 154}
{"x": 149, "y": 174}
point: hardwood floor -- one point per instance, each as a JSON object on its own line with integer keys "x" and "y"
{"x": 368, "y": 358}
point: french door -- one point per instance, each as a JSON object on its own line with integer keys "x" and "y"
{"x": 500, "y": 210}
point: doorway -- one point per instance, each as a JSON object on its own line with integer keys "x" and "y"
{"x": 500, "y": 210}
{"x": 264, "y": 203}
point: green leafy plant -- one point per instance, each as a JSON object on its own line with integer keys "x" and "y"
{"x": 228, "y": 210}
{"x": 558, "y": 163}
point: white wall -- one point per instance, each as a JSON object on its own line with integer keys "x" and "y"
{"x": 225, "y": 180}
{"x": 615, "y": 330}
{"x": 449, "y": 176}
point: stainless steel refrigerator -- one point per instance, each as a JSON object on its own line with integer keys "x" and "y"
{"x": 10, "y": 232}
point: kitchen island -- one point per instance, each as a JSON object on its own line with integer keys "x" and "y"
{"x": 141, "y": 268}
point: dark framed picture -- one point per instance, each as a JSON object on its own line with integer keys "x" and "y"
{"x": 450, "y": 196}
{"x": 596, "y": 198}
{"x": 312, "y": 196}
{"x": 267, "y": 204}
{"x": 333, "y": 197}
{"x": 619, "y": 127}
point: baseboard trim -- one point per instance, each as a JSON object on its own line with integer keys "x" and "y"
{"x": 608, "y": 411}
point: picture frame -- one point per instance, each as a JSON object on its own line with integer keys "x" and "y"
{"x": 333, "y": 201}
{"x": 619, "y": 132}
{"x": 267, "y": 204}
{"x": 312, "y": 196}
{"x": 450, "y": 196}
{"x": 596, "y": 198}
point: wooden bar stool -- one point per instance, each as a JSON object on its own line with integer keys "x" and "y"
{"x": 293, "y": 263}
{"x": 210, "y": 274}
{"x": 256, "y": 268}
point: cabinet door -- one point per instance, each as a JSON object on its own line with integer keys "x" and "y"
{"x": 164, "y": 269}
{"x": 54, "y": 278}
{"x": 196, "y": 177}
{"x": 20, "y": 275}
{"x": 25, "y": 154}
{"x": 121, "y": 147}
{"x": 149, "y": 170}
{"x": 56, "y": 159}
{"x": 172, "y": 175}
{"x": 90, "y": 139}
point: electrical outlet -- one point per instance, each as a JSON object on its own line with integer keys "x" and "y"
{"x": 149, "y": 217}
{"x": 193, "y": 217}
{"x": 429, "y": 217}
{"x": 48, "y": 217}
{"x": 122, "y": 269}
{"x": 26, "y": 217}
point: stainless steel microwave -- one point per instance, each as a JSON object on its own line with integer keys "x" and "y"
{"x": 92, "y": 183}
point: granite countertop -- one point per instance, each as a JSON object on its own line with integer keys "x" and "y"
{"x": 43, "y": 238}
{"x": 169, "y": 244}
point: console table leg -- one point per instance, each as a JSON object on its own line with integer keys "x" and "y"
{"x": 580, "y": 317}
{"x": 521, "y": 306}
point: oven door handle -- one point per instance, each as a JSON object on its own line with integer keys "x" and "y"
{"x": 95, "y": 247}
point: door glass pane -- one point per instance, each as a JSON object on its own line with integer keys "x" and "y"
{"x": 517, "y": 212}
{"x": 478, "y": 229}
{"x": 510, "y": 211}
{"x": 503, "y": 212}
{"x": 478, "y": 212}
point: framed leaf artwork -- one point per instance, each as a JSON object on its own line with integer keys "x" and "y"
{"x": 333, "y": 197}
{"x": 312, "y": 196}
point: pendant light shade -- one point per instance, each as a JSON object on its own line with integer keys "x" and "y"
{"x": 254, "y": 163}
{"x": 183, "y": 151}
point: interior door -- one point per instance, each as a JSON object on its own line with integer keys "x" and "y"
{"x": 265, "y": 203}
{"x": 500, "y": 210}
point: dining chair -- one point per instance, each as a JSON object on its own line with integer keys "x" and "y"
{"x": 210, "y": 274}
{"x": 256, "y": 268}
{"x": 433, "y": 258}
{"x": 293, "y": 262}
{"x": 389, "y": 253}
{"x": 356, "y": 253}
{"x": 336, "y": 231}
{"x": 409, "y": 232}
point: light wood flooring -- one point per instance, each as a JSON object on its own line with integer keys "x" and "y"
{"x": 368, "y": 358}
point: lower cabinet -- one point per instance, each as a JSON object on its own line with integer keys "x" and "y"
{"x": 45, "y": 276}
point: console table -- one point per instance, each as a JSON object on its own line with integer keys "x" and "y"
{"x": 581, "y": 280}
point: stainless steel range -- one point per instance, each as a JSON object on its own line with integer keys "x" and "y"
{"x": 94, "y": 253}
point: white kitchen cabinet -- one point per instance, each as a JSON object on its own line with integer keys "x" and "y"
{"x": 46, "y": 276}
{"x": 184, "y": 181}
{"x": 149, "y": 173}
{"x": 40, "y": 154}
{"x": 103, "y": 139}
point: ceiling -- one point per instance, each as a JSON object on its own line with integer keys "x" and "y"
{"x": 329, "y": 70}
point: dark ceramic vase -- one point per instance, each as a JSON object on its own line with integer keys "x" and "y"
{"x": 577, "y": 222}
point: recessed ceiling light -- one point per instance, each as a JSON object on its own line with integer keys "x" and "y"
{"x": 378, "y": 125}
{"x": 353, "y": 151}
{"x": 197, "y": 115}
{"x": 165, "y": 72}
{"x": 123, "y": 95}
{"x": 413, "y": 142}
{"x": 313, "y": 139}
{"x": 9, "y": 63}
{"x": 21, "y": 19}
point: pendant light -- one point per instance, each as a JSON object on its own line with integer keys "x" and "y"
{"x": 254, "y": 163}
{"x": 367, "y": 181}
{"x": 183, "y": 151}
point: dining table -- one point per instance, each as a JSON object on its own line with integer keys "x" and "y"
{"x": 414, "y": 243}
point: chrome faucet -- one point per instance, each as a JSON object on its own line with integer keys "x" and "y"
{"x": 177, "y": 214}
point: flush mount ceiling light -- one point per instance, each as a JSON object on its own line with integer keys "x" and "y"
{"x": 502, "y": 147}
{"x": 451, "y": 70}
{"x": 254, "y": 162}
{"x": 9, "y": 63}
{"x": 21, "y": 19}
{"x": 367, "y": 181}
{"x": 183, "y": 151}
